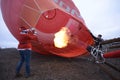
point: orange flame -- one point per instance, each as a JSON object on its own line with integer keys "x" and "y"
{"x": 62, "y": 38}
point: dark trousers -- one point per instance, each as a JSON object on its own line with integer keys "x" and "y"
{"x": 25, "y": 57}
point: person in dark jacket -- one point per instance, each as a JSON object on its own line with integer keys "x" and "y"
{"x": 98, "y": 41}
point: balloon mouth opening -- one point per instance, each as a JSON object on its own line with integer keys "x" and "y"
{"x": 62, "y": 38}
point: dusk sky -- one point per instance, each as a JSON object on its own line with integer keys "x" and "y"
{"x": 101, "y": 17}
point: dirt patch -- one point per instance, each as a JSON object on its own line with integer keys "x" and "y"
{"x": 50, "y": 67}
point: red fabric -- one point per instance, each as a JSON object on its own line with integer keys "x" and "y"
{"x": 53, "y": 17}
{"x": 114, "y": 54}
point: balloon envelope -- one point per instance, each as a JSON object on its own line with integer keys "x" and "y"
{"x": 49, "y": 17}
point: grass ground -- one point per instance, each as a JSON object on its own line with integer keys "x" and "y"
{"x": 51, "y": 67}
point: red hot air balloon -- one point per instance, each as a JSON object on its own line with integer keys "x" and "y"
{"x": 60, "y": 27}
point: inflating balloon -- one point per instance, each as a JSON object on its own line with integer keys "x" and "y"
{"x": 59, "y": 26}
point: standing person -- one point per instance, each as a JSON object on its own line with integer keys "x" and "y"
{"x": 24, "y": 49}
{"x": 98, "y": 41}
